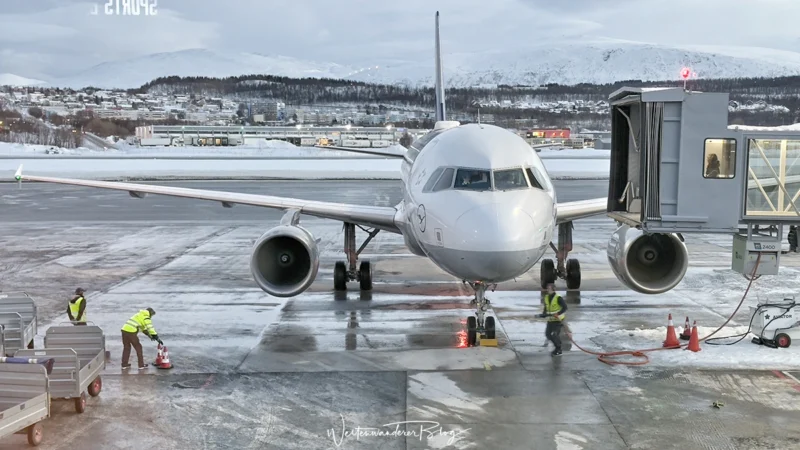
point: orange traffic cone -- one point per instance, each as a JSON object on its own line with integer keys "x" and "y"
{"x": 672, "y": 336}
{"x": 694, "y": 341}
{"x": 686, "y": 334}
{"x": 165, "y": 364}
{"x": 160, "y": 356}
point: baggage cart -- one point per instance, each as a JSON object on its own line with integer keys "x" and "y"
{"x": 24, "y": 397}
{"x": 79, "y": 352}
{"x": 18, "y": 317}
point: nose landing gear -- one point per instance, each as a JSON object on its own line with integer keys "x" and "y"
{"x": 480, "y": 329}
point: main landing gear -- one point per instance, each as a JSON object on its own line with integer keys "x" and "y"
{"x": 342, "y": 273}
{"x": 479, "y": 324}
{"x": 571, "y": 272}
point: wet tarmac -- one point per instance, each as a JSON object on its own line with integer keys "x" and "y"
{"x": 379, "y": 370}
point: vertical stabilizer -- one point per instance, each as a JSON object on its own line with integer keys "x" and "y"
{"x": 440, "y": 113}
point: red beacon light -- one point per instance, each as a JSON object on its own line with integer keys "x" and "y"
{"x": 685, "y": 72}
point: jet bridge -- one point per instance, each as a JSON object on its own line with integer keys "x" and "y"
{"x": 677, "y": 167}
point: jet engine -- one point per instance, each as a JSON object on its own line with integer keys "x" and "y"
{"x": 647, "y": 263}
{"x": 285, "y": 260}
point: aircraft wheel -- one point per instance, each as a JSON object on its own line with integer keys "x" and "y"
{"x": 472, "y": 330}
{"x": 365, "y": 275}
{"x": 340, "y": 276}
{"x": 489, "y": 328}
{"x": 547, "y": 272}
{"x": 573, "y": 274}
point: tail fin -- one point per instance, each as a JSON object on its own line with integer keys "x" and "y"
{"x": 440, "y": 113}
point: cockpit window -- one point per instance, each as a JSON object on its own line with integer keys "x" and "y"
{"x": 538, "y": 179}
{"x": 474, "y": 180}
{"x": 509, "y": 179}
{"x": 445, "y": 181}
{"x": 433, "y": 179}
{"x": 534, "y": 180}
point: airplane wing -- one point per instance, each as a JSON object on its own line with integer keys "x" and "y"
{"x": 581, "y": 209}
{"x": 367, "y": 151}
{"x": 371, "y": 216}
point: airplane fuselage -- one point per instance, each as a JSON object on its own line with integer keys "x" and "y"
{"x": 469, "y": 203}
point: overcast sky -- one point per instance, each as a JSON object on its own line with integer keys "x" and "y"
{"x": 52, "y": 38}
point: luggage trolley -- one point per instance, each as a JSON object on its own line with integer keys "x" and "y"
{"x": 80, "y": 354}
{"x": 18, "y": 318}
{"x": 24, "y": 397}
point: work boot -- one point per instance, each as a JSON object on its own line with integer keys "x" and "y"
{"x": 556, "y": 352}
{"x": 144, "y": 367}
{"x": 126, "y": 367}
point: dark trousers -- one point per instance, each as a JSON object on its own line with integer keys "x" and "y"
{"x": 131, "y": 340}
{"x": 553, "y": 333}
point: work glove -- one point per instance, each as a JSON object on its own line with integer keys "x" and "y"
{"x": 153, "y": 337}
{"x": 543, "y": 315}
{"x": 160, "y": 341}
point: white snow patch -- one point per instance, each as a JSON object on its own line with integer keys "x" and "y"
{"x": 567, "y": 441}
{"x": 438, "y": 388}
{"x": 9, "y": 79}
{"x": 793, "y": 127}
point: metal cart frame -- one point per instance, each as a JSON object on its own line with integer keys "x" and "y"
{"x": 24, "y": 399}
{"x": 80, "y": 355}
{"x": 18, "y": 316}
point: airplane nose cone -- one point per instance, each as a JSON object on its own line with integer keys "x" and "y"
{"x": 496, "y": 227}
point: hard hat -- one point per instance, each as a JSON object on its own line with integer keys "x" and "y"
{"x": 79, "y": 291}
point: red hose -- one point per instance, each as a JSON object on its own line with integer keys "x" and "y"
{"x": 604, "y": 356}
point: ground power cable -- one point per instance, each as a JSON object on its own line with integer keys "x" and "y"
{"x": 606, "y": 357}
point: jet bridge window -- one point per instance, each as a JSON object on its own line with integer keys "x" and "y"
{"x": 509, "y": 179}
{"x": 473, "y": 180}
{"x": 719, "y": 158}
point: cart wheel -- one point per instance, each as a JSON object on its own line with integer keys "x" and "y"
{"x": 80, "y": 403}
{"x": 783, "y": 340}
{"x": 35, "y": 434}
{"x": 96, "y": 387}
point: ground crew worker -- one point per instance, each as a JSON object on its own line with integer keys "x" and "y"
{"x": 76, "y": 308}
{"x": 141, "y": 321}
{"x": 554, "y": 309}
{"x": 792, "y": 238}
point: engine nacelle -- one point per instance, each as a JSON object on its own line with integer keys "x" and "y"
{"x": 285, "y": 260}
{"x": 647, "y": 263}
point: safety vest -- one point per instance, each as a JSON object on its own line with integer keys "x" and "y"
{"x": 140, "y": 322}
{"x": 551, "y": 307}
{"x": 75, "y": 307}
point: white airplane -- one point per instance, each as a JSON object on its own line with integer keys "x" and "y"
{"x": 477, "y": 201}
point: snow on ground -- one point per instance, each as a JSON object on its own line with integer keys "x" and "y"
{"x": 225, "y": 162}
{"x": 260, "y": 168}
{"x": 793, "y": 127}
{"x": 267, "y": 149}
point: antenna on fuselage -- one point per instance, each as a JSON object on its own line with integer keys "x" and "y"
{"x": 440, "y": 113}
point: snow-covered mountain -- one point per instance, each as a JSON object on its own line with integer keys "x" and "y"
{"x": 566, "y": 63}
{"x": 9, "y": 79}
{"x": 135, "y": 72}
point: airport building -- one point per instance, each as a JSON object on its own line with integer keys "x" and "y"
{"x": 347, "y": 136}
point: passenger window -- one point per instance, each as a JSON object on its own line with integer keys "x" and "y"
{"x": 474, "y": 180}
{"x": 719, "y": 158}
{"x": 432, "y": 180}
{"x": 534, "y": 180}
{"x": 446, "y": 180}
{"x": 509, "y": 179}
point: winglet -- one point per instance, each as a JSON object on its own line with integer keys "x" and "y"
{"x": 439, "y": 78}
